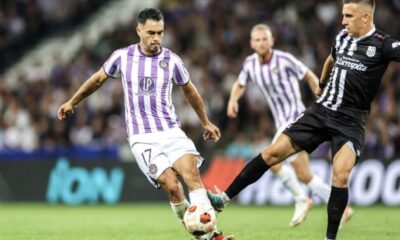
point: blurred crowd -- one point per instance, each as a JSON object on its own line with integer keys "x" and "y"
{"x": 25, "y": 22}
{"x": 212, "y": 37}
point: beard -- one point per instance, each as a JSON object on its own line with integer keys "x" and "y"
{"x": 153, "y": 49}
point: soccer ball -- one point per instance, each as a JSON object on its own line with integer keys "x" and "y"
{"x": 200, "y": 219}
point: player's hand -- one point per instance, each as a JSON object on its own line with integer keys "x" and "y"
{"x": 211, "y": 132}
{"x": 233, "y": 109}
{"x": 318, "y": 91}
{"x": 65, "y": 110}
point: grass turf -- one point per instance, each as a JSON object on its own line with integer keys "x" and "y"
{"x": 156, "y": 221}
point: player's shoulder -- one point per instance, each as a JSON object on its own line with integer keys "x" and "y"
{"x": 287, "y": 56}
{"x": 124, "y": 50}
{"x": 168, "y": 53}
{"x": 250, "y": 58}
{"x": 387, "y": 42}
{"x": 378, "y": 38}
{"x": 380, "y": 35}
{"x": 282, "y": 53}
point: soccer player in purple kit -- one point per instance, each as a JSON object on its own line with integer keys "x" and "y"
{"x": 277, "y": 74}
{"x": 349, "y": 82}
{"x": 161, "y": 149}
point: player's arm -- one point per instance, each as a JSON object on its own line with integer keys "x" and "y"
{"x": 312, "y": 81}
{"x": 391, "y": 49}
{"x": 87, "y": 88}
{"x": 326, "y": 71}
{"x": 233, "y": 104}
{"x": 195, "y": 100}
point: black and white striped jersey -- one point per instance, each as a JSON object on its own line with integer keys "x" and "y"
{"x": 359, "y": 66}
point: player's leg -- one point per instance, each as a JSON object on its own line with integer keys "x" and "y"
{"x": 171, "y": 185}
{"x": 185, "y": 161}
{"x": 289, "y": 180}
{"x": 156, "y": 167}
{"x": 314, "y": 183}
{"x": 186, "y": 167}
{"x": 169, "y": 182}
{"x": 287, "y": 176}
{"x": 343, "y": 162}
{"x": 291, "y": 183}
{"x": 253, "y": 170}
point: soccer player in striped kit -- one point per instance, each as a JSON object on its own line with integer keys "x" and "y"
{"x": 161, "y": 149}
{"x": 277, "y": 74}
{"x": 349, "y": 82}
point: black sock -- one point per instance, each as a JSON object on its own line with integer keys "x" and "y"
{"x": 249, "y": 174}
{"x": 336, "y": 205}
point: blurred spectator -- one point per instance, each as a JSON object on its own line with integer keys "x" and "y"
{"x": 240, "y": 147}
{"x": 212, "y": 38}
{"x": 24, "y": 22}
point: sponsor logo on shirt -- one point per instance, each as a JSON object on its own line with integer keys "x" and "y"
{"x": 147, "y": 85}
{"x": 395, "y": 44}
{"x": 353, "y": 64}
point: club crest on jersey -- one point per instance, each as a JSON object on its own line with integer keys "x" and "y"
{"x": 163, "y": 64}
{"x": 371, "y": 51}
{"x": 153, "y": 168}
{"x": 146, "y": 84}
{"x": 275, "y": 70}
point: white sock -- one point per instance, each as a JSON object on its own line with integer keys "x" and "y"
{"x": 319, "y": 188}
{"x": 180, "y": 208}
{"x": 199, "y": 196}
{"x": 225, "y": 197}
{"x": 291, "y": 182}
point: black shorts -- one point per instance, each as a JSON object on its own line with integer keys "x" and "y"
{"x": 319, "y": 124}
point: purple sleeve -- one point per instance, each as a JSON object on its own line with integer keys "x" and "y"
{"x": 180, "y": 73}
{"x": 113, "y": 65}
{"x": 244, "y": 75}
{"x": 298, "y": 67}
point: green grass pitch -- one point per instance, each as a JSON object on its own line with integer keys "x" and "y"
{"x": 156, "y": 221}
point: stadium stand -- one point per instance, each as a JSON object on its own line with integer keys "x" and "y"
{"x": 25, "y": 23}
{"x": 213, "y": 46}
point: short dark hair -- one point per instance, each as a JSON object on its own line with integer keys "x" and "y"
{"x": 369, "y": 2}
{"x": 149, "y": 13}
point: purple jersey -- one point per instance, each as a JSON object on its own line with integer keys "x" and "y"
{"x": 147, "y": 82}
{"x": 278, "y": 82}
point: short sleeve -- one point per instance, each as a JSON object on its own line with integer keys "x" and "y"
{"x": 180, "y": 73}
{"x": 112, "y": 66}
{"x": 391, "y": 49}
{"x": 244, "y": 76}
{"x": 299, "y": 69}
{"x": 246, "y": 71}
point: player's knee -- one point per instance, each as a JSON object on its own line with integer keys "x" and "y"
{"x": 173, "y": 188}
{"x": 191, "y": 174}
{"x": 303, "y": 176}
{"x": 270, "y": 157}
{"x": 340, "y": 179}
{"x": 170, "y": 183}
